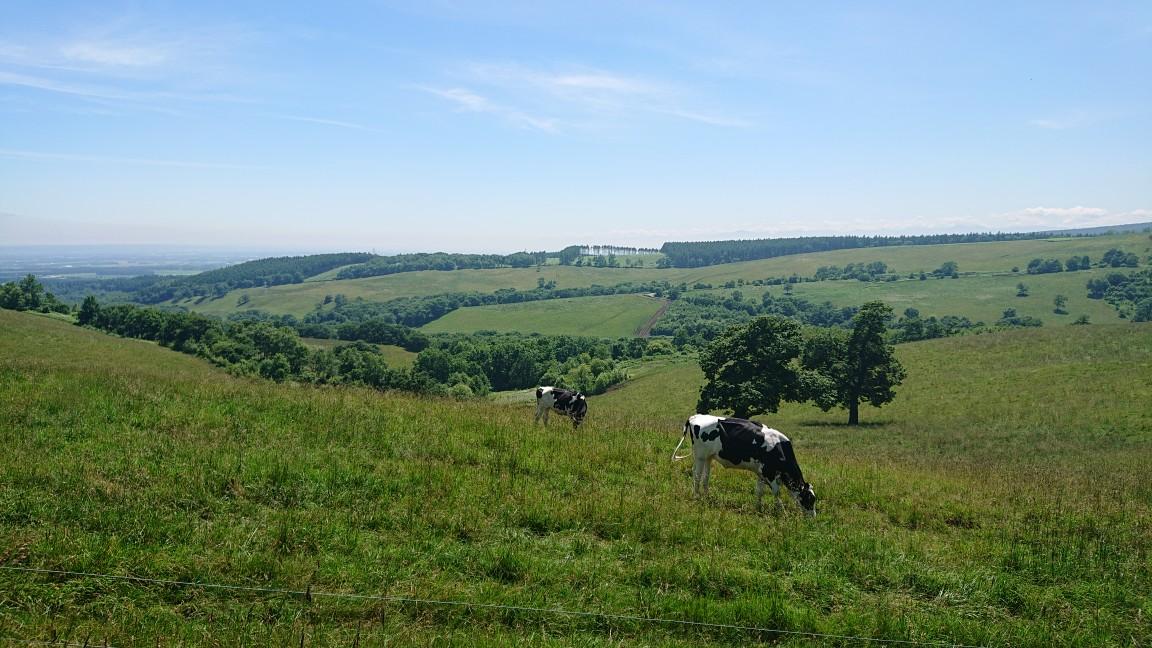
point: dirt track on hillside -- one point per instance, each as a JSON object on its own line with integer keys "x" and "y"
{"x": 646, "y": 329}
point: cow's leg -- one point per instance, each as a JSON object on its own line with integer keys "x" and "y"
{"x": 539, "y": 412}
{"x": 700, "y": 470}
{"x": 760, "y": 495}
{"x": 775, "y": 483}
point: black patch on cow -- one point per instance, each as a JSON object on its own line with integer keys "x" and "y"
{"x": 708, "y": 436}
{"x": 539, "y": 392}
{"x": 578, "y": 407}
{"x": 742, "y": 441}
{"x": 569, "y": 402}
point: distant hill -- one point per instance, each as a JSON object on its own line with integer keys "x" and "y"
{"x": 1103, "y": 229}
{"x": 273, "y": 271}
{"x": 703, "y": 253}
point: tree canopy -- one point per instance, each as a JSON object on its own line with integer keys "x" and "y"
{"x": 29, "y": 294}
{"x": 751, "y": 369}
{"x": 854, "y": 367}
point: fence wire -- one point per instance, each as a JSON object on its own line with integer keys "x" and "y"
{"x": 309, "y": 594}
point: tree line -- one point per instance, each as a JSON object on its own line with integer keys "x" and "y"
{"x": 386, "y": 265}
{"x": 873, "y": 271}
{"x": 450, "y": 365}
{"x": 705, "y": 253}
{"x": 1113, "y": 258}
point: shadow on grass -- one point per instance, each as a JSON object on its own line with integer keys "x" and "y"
{"x": 844, "y": 424}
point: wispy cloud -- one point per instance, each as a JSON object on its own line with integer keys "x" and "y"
{"x": 1064, "y": 212}
{"x": 470, "y": 101}
{"x": 1073, "y": 119}
{"x": 115, "y": 54}
{"x": 118, "y": 99}
{"x": 1057, "y": 124}
{"x": 582, "y": 95}
{"x": 597, "y": 81}
{"x": 104, "y": 159}
{"x": 577, "y": 83}
{"x": 1021, "y": 220}
{"x": 125, "y": 61}
{"x": 328, "y": 122}
{"x": 714, "y": 120}
{"x": 1066, "y": 217}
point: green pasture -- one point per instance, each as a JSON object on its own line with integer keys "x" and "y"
{"x": 978, "y": 297}
{"x": 298, "y": 299}
{"x": 606, "y": 316}
{"x": 1003, "y": 499}
{"x": 328, "y": 275}
{"x": 395, "y": 356}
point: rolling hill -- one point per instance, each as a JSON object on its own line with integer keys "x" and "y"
{"x": 986, "y": 288}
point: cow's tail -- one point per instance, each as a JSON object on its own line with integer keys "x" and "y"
{"x": 683, "y": 435}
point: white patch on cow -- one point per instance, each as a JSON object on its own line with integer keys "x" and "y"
{"x": 545, "y": 399}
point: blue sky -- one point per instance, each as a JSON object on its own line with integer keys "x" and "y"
{"x": 501, "y": 126}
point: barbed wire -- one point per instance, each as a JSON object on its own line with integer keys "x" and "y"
{"x": 309, "y": 594}
{"x": 61, "y": 643}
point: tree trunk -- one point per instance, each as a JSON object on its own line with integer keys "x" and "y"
{"x": 854, "y": 413}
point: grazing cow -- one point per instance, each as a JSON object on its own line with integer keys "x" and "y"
{"x": 569, "y": 403}
{"x": 738, "y": 443}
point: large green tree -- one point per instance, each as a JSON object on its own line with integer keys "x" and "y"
{"x": 857, "y": 366}
{"x": 89, "y": 311}
{"x": 751, "y": 369}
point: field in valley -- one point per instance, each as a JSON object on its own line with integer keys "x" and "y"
{"x": 607, "y": 316}
{"x": 1003, "y": 499}
{"x": 996, "y": 257}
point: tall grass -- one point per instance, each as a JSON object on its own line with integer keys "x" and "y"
{"x": 1002, "y": 499}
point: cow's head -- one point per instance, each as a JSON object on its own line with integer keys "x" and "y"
{"x": 806, "y": 498}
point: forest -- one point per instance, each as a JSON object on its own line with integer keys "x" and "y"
{"x": 705, "y": 253}
{"x": 461, "y": 366}
{"x": 386, "y": 265}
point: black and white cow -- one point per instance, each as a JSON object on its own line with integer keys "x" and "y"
{"x": 738, "y": 443}
{"x": 570, "y": 403}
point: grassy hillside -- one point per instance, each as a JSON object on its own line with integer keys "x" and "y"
{"x": 298, "y": 299}
{"x": 1002, "y": 500}
{"x": 980, "y": 298}
{"x": 608, "y": 316}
